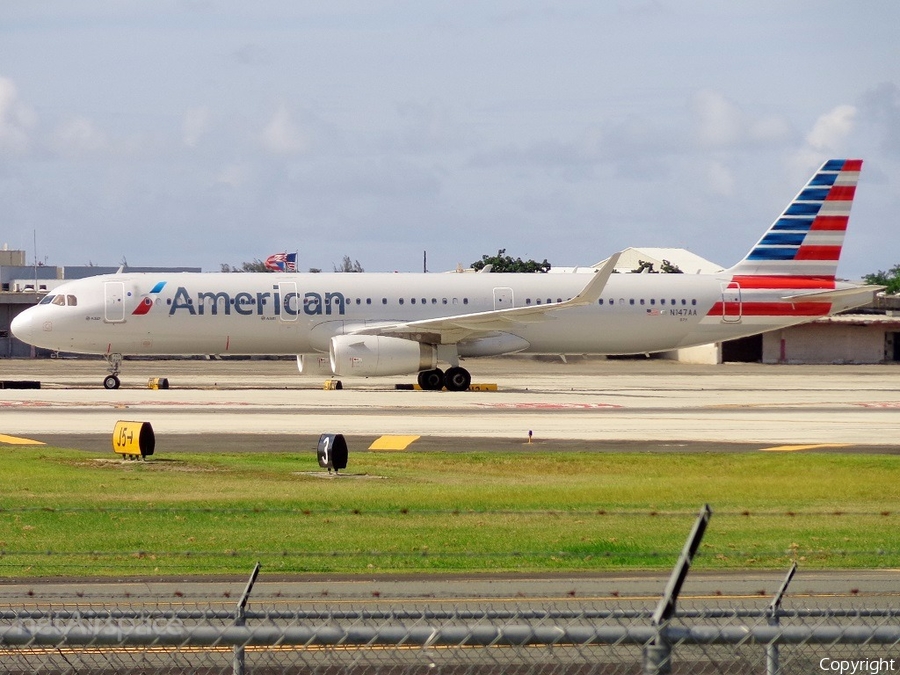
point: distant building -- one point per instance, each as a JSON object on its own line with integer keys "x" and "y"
{"x": 687, "y": 262}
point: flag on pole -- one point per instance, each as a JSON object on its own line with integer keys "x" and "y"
{"x": 282, "y": 262}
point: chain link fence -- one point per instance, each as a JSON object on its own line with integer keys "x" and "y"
{"x": 512, "y": 640}
{"x": 527, "y": 637}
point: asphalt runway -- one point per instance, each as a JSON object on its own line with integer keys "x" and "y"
{"x": 594, "y": 405}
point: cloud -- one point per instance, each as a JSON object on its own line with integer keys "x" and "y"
{"x": 721, "y": 123}
{"x": 881, "y": 106}
{"x": 825, "y": 141}
{"x": 195, "y": 125}
{"x": 720, "y": 179}
{"x": 770, "y": 129}
{"x": 78, "y": 137}
{"x": 830, "y": 130}
{"x": 16, "y": 119}
{"x": 233, "y": 175}
{"x": 282, "y": 136}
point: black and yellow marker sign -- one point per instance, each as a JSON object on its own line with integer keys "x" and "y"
{"x": 133, "y": 439}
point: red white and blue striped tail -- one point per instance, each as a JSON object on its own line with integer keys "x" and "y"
{"x": 806, "y": 240}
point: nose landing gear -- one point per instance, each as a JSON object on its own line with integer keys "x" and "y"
{"x": 112, "y": 381}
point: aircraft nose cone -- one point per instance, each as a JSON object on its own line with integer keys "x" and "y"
{"x": 22, "y": 327}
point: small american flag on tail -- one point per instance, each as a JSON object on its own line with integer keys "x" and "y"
{"x": 282, "y": 262}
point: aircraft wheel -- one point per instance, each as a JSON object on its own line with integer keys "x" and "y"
{"x": 457, "y": 379}
{"x": 111, "y": 382}
{"x": 431, "y": 380}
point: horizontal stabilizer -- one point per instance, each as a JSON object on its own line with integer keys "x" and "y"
{"x": 833, "y": 294}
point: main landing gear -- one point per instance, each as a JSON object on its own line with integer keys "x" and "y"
{"x": 455, "y": 379}
{"x": 112, "y": 381}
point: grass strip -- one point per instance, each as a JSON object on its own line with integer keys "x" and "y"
{"x": 66, "y": 512}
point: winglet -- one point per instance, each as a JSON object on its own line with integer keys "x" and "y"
{"x": 594, "y": 289}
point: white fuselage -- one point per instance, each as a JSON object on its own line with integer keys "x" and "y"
{"x": 272, "y": 313}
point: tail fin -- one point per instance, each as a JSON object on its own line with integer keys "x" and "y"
{"x": 806, "y": 240}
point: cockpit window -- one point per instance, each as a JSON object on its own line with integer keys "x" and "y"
{"x": 60, "y": 300}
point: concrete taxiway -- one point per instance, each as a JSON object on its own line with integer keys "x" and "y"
{"x": 582, "y": 404}
{"x": 597, "y": 405}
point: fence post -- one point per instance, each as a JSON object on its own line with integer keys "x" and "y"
{"x": 237, "y": 661}
{"x": 773, "y": 663}
{"x": 658, "y": 653}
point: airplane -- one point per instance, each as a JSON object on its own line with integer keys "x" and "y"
{"x": 403, "y": 324}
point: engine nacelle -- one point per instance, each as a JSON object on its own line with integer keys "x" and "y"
{"x": 314, "y": 364}
{"x": 373, "y": 355}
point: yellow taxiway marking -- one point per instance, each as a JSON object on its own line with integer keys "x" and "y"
{"x": 15, "y": 440}
{"x": 393, "y": 442}
{"x": 795, "y": 448}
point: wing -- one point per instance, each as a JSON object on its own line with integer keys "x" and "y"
{"x": 453, "y": 329}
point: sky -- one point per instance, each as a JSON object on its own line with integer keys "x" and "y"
{"x": 202, "y": 133}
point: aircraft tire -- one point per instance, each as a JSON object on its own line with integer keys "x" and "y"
{"x": 431, "y": 380}
{"x": 111, "y": 382}
{"x": 457, "y": 379}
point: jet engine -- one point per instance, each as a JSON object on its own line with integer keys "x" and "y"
{"x": 314, "y": 364}
{"x": 372, "y": 355}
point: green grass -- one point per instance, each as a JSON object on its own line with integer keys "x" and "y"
{"x": 65, "y": 512}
